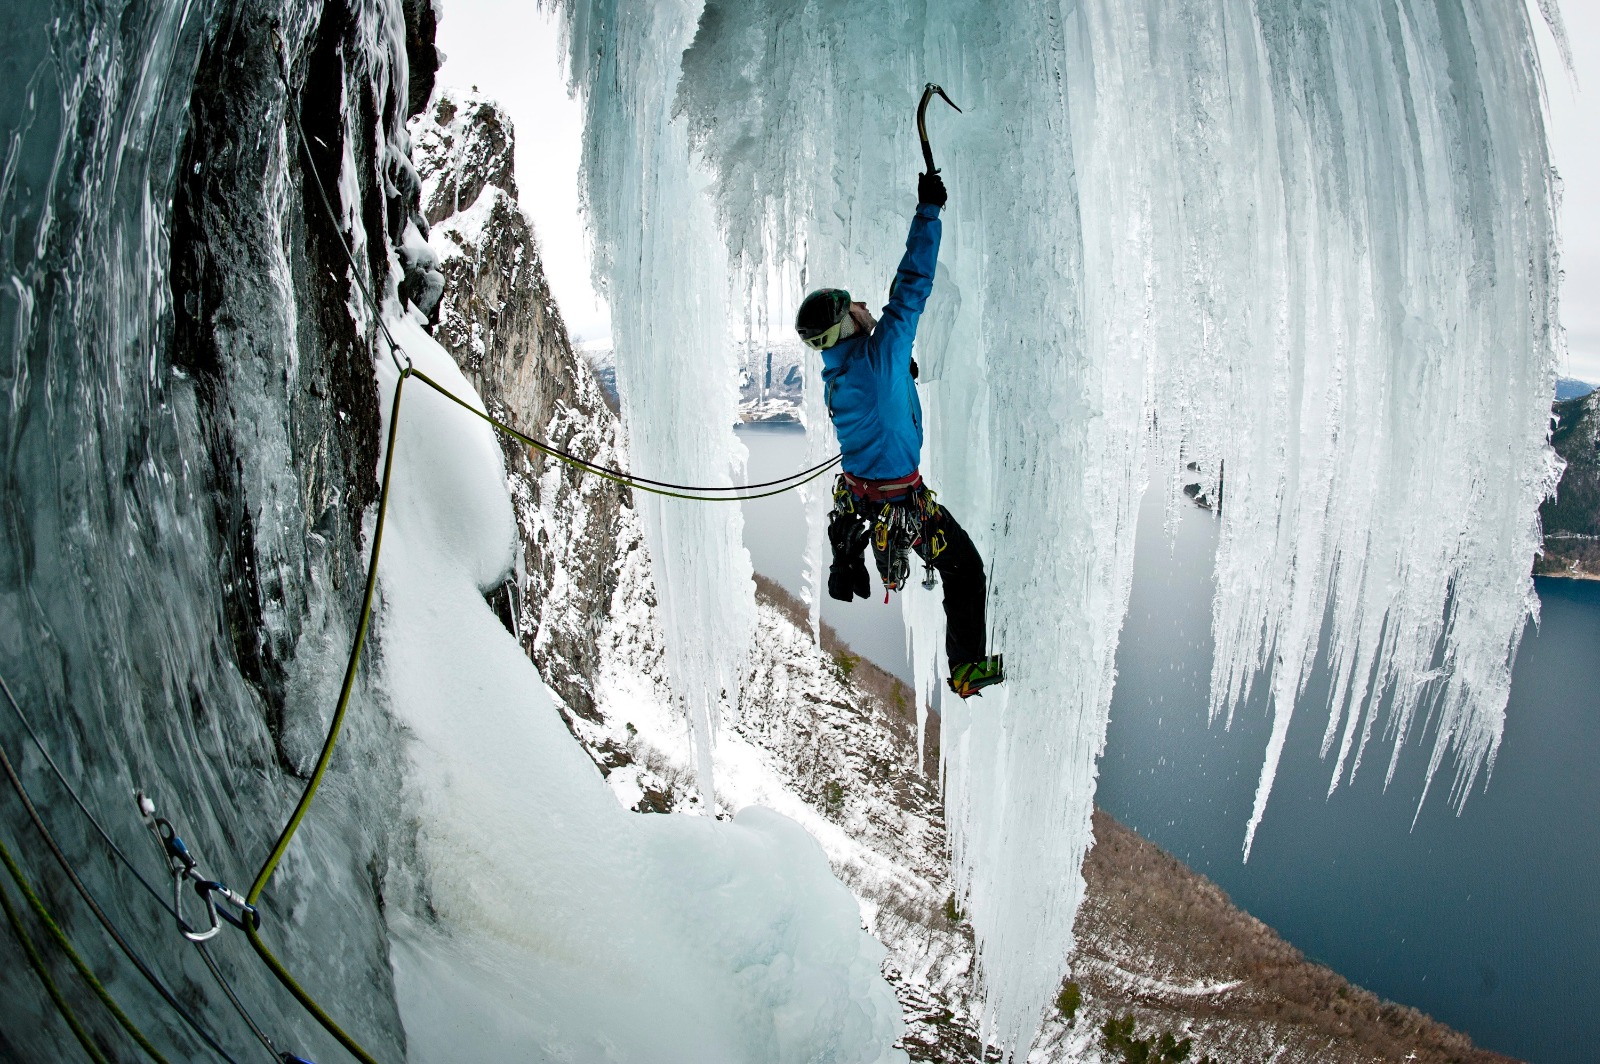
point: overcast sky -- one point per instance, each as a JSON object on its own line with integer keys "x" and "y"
{"x": 1574, "y": 129}
{"x": 508, "y": 49}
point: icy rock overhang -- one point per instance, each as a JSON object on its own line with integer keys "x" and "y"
{"x": 1314, "y": 247}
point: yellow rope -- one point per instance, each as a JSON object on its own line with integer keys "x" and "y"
{"x": 269, "y": 866}
{"x": 36, "y": 962}
{"x": 72, "y": 954}
{"x": 271, "y": 863}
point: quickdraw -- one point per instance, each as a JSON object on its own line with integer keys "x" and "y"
{"x": 843, "y": 500}
{"x": 895, "y": 533}
{"x": 184, "y": 867}
{"x": 897, "y": 530}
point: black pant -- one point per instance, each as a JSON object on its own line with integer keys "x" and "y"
{"x": 940, "y": 542}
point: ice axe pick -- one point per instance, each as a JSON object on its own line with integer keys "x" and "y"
{"x": 928, "y": 92}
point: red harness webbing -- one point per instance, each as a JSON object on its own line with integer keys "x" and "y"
{"x": 883, "y": 490}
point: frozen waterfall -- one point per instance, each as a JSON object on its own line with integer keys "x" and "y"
{"x": 1308, "y": 246}
{"x": 662, "y": 266}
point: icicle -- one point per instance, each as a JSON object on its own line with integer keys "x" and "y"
{"x": 664, "y": 270}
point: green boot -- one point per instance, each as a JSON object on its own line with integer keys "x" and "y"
{"x": 971, "y": 677}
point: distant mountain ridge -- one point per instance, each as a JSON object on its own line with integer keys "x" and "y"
{"x": 771, "y": 378}
{"x": 1572, "y": 388}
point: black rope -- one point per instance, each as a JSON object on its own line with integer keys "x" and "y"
{"x": 94, "y": 905}
{"x": 622, "y": 476}
{"x": 62, "y": 778}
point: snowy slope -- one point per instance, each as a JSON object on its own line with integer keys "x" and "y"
{"x": 680, "y": 938}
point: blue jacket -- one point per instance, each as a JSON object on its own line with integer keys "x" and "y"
{"x": 867, "y": 379}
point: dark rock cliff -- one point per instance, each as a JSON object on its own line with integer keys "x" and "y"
{"x": 498, "y": 320}
{"x": 1572, "y": 516}
{"x": 190, "y": 440}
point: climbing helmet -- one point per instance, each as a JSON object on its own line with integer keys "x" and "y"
{"x": 822, "y": 316}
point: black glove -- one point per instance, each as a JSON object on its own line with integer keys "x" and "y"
{"x": 930, "y": 189}
{"x": 847, "y": 576}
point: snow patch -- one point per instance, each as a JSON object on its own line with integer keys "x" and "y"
{"x": 555, "y": 921}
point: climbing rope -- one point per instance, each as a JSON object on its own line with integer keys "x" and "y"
{"x": 691, "y": 492}
{"x": 84, "y": 970}
{"x": 251, "y": 927}
{"x": 264, "y": 876}
{"x": 100, "y": 914}
{"x": 654, "y": 487}
{"x": 94, "y": 906}
{"x": 36, "y": 962}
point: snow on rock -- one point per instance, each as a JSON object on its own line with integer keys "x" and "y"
{"x": 549, "y": 916}
{"x": 463, "y": 144}
{"x": 501, "y": 325}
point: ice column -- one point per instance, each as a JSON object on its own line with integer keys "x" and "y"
{"x": 1331, "y": 229}
{"x": 663, "y": 267}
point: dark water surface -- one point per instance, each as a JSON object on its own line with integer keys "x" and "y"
{"x": 775, "y": 532}
{"x": 1489, "y": 921}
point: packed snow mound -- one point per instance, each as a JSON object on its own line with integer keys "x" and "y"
{"x": 1311, "y": 247}
{"x": 551, "y": 922}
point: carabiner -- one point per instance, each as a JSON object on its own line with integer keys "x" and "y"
{"x": 183, "y": 866}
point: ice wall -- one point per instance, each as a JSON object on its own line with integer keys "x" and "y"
{"x": 183, "y": 470}
{"x": 663, "y": 269}
{"x": 1308, "y": 245}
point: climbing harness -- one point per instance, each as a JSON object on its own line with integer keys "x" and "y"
{"x": 928, "y": 92}
{"x": 898, "y": 526}
{"x": 185, "y": 868}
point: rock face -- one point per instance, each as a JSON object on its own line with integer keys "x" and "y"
{"x": 501, "y": 325}
{"x": 1572, "y": 517}
{"x": 464, "y": 144}
{"x": 191, "y": 439}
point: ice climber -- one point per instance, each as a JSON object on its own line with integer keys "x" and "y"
{"x": 880, "y": 498}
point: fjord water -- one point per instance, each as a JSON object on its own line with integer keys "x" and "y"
{"x": 775, "y": 533}
{"x": 1489, "y": 921}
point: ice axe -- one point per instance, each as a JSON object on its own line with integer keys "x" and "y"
{"x": 928, "y": 92}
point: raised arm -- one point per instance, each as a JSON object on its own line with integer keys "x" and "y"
{"x": 913, "y": 282}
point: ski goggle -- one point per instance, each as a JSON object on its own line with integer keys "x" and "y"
{"x": 823, "y": 341}
{"x": 830, "y": 305}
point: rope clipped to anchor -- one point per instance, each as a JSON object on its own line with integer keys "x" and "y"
{"x": 186, "y": 868}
